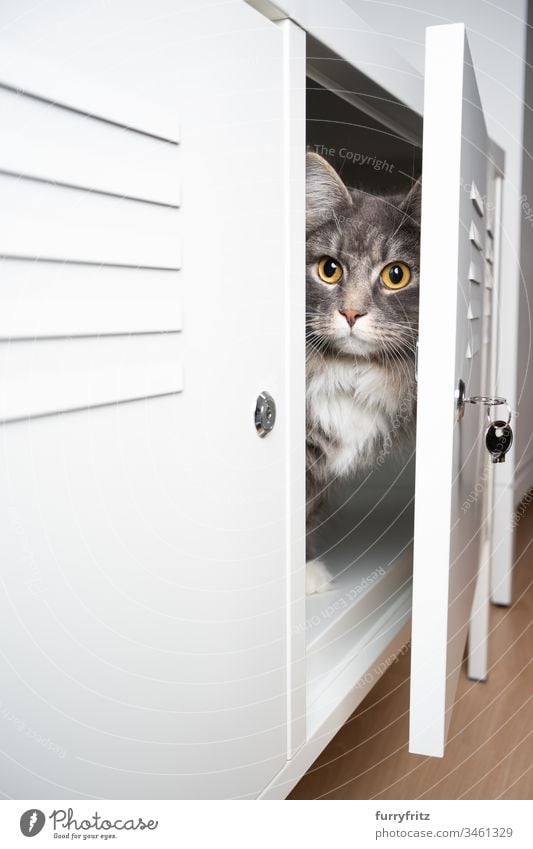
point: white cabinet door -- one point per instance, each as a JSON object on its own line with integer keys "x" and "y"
{"x": 143, "y": 295}
{"x": 455, "y": 218}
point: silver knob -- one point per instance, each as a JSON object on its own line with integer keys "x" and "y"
{"x": 265, "y": 414}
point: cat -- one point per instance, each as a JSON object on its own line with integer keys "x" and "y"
{"x": 362, "y": 283}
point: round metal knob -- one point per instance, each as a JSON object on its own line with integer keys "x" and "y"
{"x": 460, "y": 400}
{"x": 265, "y": 414}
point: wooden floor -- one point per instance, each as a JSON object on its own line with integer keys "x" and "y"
{"x": 490, "y": 749}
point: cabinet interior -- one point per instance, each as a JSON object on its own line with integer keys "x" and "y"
{"x": 366, "y": 540}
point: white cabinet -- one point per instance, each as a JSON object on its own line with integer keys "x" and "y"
{"x": 154, "y": 624}
{"x": 144, "y": 284}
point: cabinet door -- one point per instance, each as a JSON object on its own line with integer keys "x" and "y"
{"x": 447, "y": 506}
{"x": 143, "y": 296}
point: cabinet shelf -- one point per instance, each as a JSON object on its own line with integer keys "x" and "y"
{"x": 370, "y": 560}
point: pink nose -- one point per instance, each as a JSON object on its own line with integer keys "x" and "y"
{"x": 351, "y": 316}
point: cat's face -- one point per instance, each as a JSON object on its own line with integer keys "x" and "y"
{"x": 362, "y": 262}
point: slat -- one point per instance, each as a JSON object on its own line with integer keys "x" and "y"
{"x": 475, "y": 272}
{"x": 474, "y": 236}
{"x": 476, "y": 198}
{"x": 43, "y": 299}
{"x": 46, "y": 221}
{"x": 474, "y": 306}
{"x": 473, "y": 340}
{"x": 58, "y": 375}
{"x": 42, "y": 140}
{"x": 98, "y": 93}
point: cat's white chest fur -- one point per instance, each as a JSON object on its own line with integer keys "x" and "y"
{"x": 351, "y": 404}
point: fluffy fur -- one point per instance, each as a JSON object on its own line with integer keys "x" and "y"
{"x": 361, "y": 391}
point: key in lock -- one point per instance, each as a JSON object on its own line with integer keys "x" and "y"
{"x": 499, "y": 433}
{"x": 498, "y": 439}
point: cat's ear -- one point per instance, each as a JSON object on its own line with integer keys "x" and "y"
{"x": 412, "y": 202}
{"x": 325, "y": 190}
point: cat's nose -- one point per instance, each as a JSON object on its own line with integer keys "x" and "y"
{"x": 351, "y": 316}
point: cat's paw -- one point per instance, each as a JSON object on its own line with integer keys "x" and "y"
{"x": 317, "y": 577}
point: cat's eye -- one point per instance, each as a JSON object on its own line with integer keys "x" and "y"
{"x": 396, "y": 275}
{"x": 329, "y": 270}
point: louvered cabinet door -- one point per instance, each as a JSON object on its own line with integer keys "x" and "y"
{"x": 142, "y": 298}
{"x": 449, "y": 449}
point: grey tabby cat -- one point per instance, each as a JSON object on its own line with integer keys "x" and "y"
{"x": 361, "y": 328}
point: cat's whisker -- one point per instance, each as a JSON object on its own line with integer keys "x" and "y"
{"x": 402, "y": 342}
{"x": 396, "y": 361}
{"x": 396, "y": 354}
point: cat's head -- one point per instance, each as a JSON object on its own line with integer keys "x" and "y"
{"x": 362, "y": 263}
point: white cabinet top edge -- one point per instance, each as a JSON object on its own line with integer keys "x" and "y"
{"x": 353, "y": 40}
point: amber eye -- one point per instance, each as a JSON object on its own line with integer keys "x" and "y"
{"x": 396, "y": 275}
{"x": 329, "y": 270}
